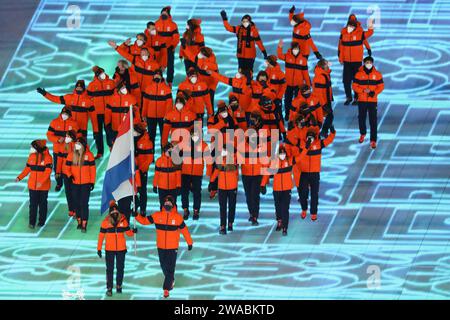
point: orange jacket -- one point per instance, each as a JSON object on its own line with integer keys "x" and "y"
{"x": 257, "y": 90}
{"x": 301, "y": 35}
{"x": 194, "y": 158}
{"x": 57, "y": 131}
{"x": 84, "y": 173}
{"x": 246, "y": 39}
{"x": 99, "y": 91}
{"x": 322, "y": 86}
{"x": 117, "y": 108}
{"x": 135, "y": 51}
{"x": 282, "y": 174}
{"x": 175, "y": 119}
{"x": 131, "y": 79}
{"x": 39, "y": 166}
{"x": 251, "y": 164}
{"x": 296, "y": 68}
{"x": 312, "y": 102}
{"x": 158, "y": 45}
{"x": 192, "y": 48}
{"x": 168, "y": 225}
{"x": 114, "y": 235}
{"x": 223, "y": 125}
{"x": 204, "y": 64}
{"x": 277, "y": 80}
{"x": 144, "y": 152}
{"x": 371, "y": 80}
{"x": 228, "y": 175}
{"x": 144, "y": 69}
{"x": 168, "y": 31}
{"x": 269, "y": 119}
{"x": 313, "y": 159}
{"x": 81, "y": 106}
{"x": 239, "y": 88}
{"x": 167, "y": 174}
{"x": 199, "y": 96}
{"x": 350, "y": 47}
{"x": 239, "y": 118}
{"x": 157, "y": 100}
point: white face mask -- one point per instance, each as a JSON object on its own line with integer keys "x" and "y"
{"x": 193, "y": 79}
{"x": 64, "y": 116}
{"x": 369, "y": 66}
{"x": 224, "y": 153}
{"x": 135, "y": 133}
{"x": 78, "y": 146}
{"x": 200, "y": 56}
{"x": 295, "y": 51}
{"x": 68, "y": 140}
{"x": 145, "y": 58}
{"x": 102, "y": 76}
{"x": 224, "y": 114}
{"x": 238, "y": 75}
{"x": 179, "y": 106}
{"x": 246, "y": 24}
{"x": 293, "y": 23}
{"x": 187, "y": 27}
{"x": 282, "y": 156}
{"x": 32, "y": 150}
{"x": 329, "y": 64}
{"x": 350, "y": 29}
{"x": 153, "y": 32}
{"x": 123, "y": 90}
{"x": 139, "y": 42}
{"x": 195, "y": 138}
{"x": 266, "y": 63}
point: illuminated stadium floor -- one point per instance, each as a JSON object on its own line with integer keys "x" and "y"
{"x": 387, "y": 210}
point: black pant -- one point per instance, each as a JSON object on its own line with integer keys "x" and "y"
{"x": 68, "y": 191}
{"x": 80, "y": 197}
{"x": 224, "y": 197}
{"x": 124, "y": 206}
{"x": 189, "y": 64}
{"x": 99, "y": 136}
{"x": 246, "y": 63}
{"x": 191, "y": 183}
{"x": 143, "y": 192}
{"x": 252, "y": 187}
{"x": 170, "y": 65}
{"x": 168, "y": 261}
{"x": 328, "y": 121}
{"x": 162, "y": 193}
{"x": 151, "y": 128}
{"x": 350, "y": 70}
{"x": 363, "y": 109}
{"x": 58, "y": 177}
{"x": 289, "y": 95}
{"x": 282, "y": 201}
{"x": 278, "y": 108}
{"x": 38, "y": 200}
{"x": 309, "y": 180}
{"x": 211, "y": 96}
{"x": 120, "y": 265}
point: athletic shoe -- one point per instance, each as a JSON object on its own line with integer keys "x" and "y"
{"x": 314, "y": 217}
{"x": 109, "y": 292}
{"x": 71, "y": 213}
{"x": 303, "y": 214}
{"x": 373, "y": 144}
{"x": 31, "y": 226}
{"x": 196, "y": 215}
{"x": 255, "y": 222}
{"x": 284, "y": 232}
{"x": 278, "y": 226}
{"x": 230, "y": 227}
{"x": 166, "y": 294}
{"x": 186, "y": 214}
{"x": 222, "y": 230}
{"x": 119, "y": 289}
{"x": 361, "y": 138}
{"x": 347, "y": 102}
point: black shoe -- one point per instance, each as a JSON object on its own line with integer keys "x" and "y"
{"x": 355, "y": 102}
{"x": 255, "y": 222}
{"x": 58, "y": 188}
{"x": 347, "y": 102}
{"x": 223, "y": 230}
{"x": 186, "y": 214}
{"x": 278, "y": 226}
{"x": 31, "y": 226}
{"x": 230, "y": 227}
{"x": 83, "y": 230}
{"x": 79, "y": 227}
{"x": 284, "y": 232}
{"x": 40, "y": 225}
{"x": 119, "y": 289}
{"x": 109, "y": 292}
{"x": 250, "y": 219}
{"x": 196, "y": 215}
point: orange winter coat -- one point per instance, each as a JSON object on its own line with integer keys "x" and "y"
{"x": 167, "y": 174}
{"x": 39, "y": 167}
{"x": 204, "y": 64}
{"x": 56, "y": 131}
{"x": 312, "y": 161}
{"x": 157, "y": 100}
{"x": 168, "y": 31}
{"x": 83, "y": 173}
{"x": 350, "y": 47}
{"x": 372, "y": 80}
{"x": 175, "y": 119}
{"x": 296, "y": 68}
{"x": 277, "y": 80}
{"x": 114, "y": 235}
{"x": 192, "y": 48}
{"x": 227, "y": 175}
{"x": 168, "y": 225}
{"x": 158, "y": 45}
{"x": 81, "y": 106}
{"x": 282, "y": 174}
{"x": 239, "y": 88}
{"x": 144, "y": 152}
{"x": 301, "y": 35}
{"x": 99, "y": 91}
{"x": 312, "y": 102}
{"x": 322, "y": 86}
{"x": 199, "y": 96}
{"x": 117, "y": 108}
{"x": 132, "y": 80}
{"x": 246, "y": 40}
{"x": 195, "y": 156}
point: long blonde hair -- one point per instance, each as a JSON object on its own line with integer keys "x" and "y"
{"x": 78, "y": 156}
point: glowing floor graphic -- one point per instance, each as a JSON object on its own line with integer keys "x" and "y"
{"x": 383, "y": 215}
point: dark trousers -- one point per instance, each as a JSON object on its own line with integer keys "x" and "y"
{"x": 191, "y": 183}
{"x": 246, "y": 63}
{"x": 162, "y": 193}
{"x": 119, "y": 256}
{"x": 350, "y": 70}
{"x": 38, "y": 201}
{"x": 189, "y": 64}
{"x": 80, "y": 197}
{"x": 278, "y": 108}
{"x": 99, "y": 136}
{"x": 252, "y": 187}
{"x": 68, "y": 191}
{"x": 58, "y": 177}
{"x": 124, "y": 206}
{"x": 309, "y": 180}
{"x": 363, "y": 109}
{"x": 211, "y": 96}
{"x": 170, "y": 65}
{"x": 328, "y": 121}
{"x": 111, "y": 136}
{"x": 143, "y": 192}
{"x": 168, "y": 261}
{"x": 282, "y": 201}
{"x": 289, "y": 95}
{"x": 151, "y": 128}
{"x": 227, "y": 199}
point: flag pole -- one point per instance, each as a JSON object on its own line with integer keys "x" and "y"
{"x": 133, "y": 175}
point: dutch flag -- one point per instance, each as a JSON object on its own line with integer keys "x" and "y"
{"x": 119, "y": 176}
